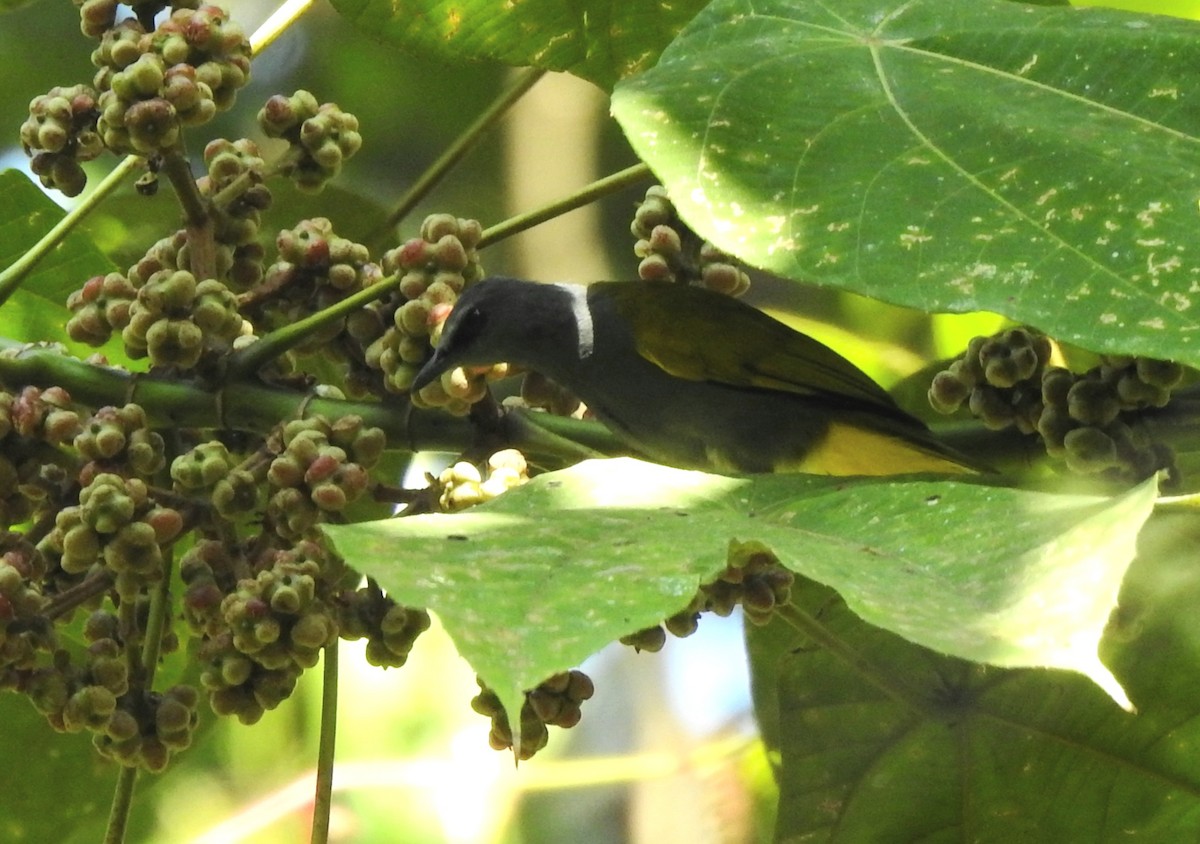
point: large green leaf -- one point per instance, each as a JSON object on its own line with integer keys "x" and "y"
{"x": 598, "y": 40}
{"x": 897, "y": 743}
{"x": 950, "y": 155}
{"x": 547, "y": 574}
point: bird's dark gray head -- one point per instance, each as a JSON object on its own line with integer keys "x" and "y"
{"x": 508, "y": 320}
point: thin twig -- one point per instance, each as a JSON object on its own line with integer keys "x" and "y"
{"x": 323, "y": 796}
{"x": 12, "y": 277}
{"x": 596, "y": 190}
{"x": 455, "y": 152}
{"x": 118, "y": 815}
{"x": 267, "y": 348}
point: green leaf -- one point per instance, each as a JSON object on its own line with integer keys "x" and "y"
{"x": 37, "y": 310}
{"x": 951, "y": 155}
{"x": 537, "y": 580}
{"x": 40, "y": 763}
{"x": 901, "y": 744}
{"x": 599, "y": 41}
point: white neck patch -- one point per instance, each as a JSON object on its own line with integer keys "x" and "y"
{"x": 583, "y": 318}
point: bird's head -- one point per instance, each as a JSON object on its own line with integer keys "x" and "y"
{"x": 537, "y": 326}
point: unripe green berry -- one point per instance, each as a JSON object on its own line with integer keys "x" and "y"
{"x": 682, "y": 624}
{"x": 947, "y": 392}
{"x": 122, "y": 726}
{"x": 1134, "y": 392}
{"x": 655, "y": 267}
{"x": 313, "y": 631}
{"x": 172, "y": 716}
{"x": 650, "y": 640}
{"x": 235, "y": 669}
{"x": 989, "y": 406}
{"x": 1089, "y": 450}
{"x": 89, "y": 708}
{"x": 1091, "y": 402}
{"x": 134, "y": 549}
{"x": 450, "y": 254}
{"x": 81, "y": 549}
{"x": 112, "y": 674}
{"x": 175, "y": 342}
{"x": 1163, "y": 374}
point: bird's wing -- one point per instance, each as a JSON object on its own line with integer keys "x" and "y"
{"x": 769, "y": 355}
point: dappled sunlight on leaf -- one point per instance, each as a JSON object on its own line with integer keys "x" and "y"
{"x": 542, "y": 577}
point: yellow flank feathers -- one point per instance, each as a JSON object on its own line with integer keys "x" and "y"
{"x": 850, "y": 450}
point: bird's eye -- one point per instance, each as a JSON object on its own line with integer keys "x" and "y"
{"x": 471, "y": 324}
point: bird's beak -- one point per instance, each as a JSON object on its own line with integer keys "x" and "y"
{"x": 432, "y": 369}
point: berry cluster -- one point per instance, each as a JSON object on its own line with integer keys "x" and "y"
{"x": 116, "y": 526}
{"x": 434, "y": 269}
{"x": 998, "y": 378}
{"x": 95, "y": 693}
{"x": 1087, "y": 419}
{"x": 315, "y": 270}
{"x": 86, "y": 522}
{"x": 321, "y": 137}
{"x": 145, "y": 729}
{"x": 319, "y": 467}
{"x": 237, "y": 197}
{"x": 167, "y": 315}
{"x": 153, "y": 84}
{"x": 60, "y": 134}
{"x": 33, "y": 423}
{"x": 259, "y": 630}
{"x": 97, "y": 16}
{"x": 554, "y": 702}
{"x": 25, "y": 633}
{"x": 175, "y": 320}
{"x": 119, "y": 439}
{"x": 389, "y": 628}
{"x": 462, "y": 485}
{"x": 93, "y": 521}
{"x": 753, "y": 578}
{"x": 671, "y": 251}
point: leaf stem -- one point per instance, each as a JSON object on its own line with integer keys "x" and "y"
{"x": 160, "y": 606}
{"x": 590, "y": 193}
{"x": 272, "y": 345}
{"x": 94, "y": 584}
{"x": 866, "y": 669}
{"x": 177, "y": 170}
{"x": 457, "y": 150}
{"x": 274, "y": 26}
{"x": 12, "y": 276}
{"x": 118, "y": 816}
{"x": 143, "y": 675}
{"x": 198, "y": 222}
{"x": 323, "y": 797}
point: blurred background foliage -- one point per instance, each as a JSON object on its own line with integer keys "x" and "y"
{"x": 666, "y": 749}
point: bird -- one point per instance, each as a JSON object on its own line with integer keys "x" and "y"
{"x": 691, "y": 378}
